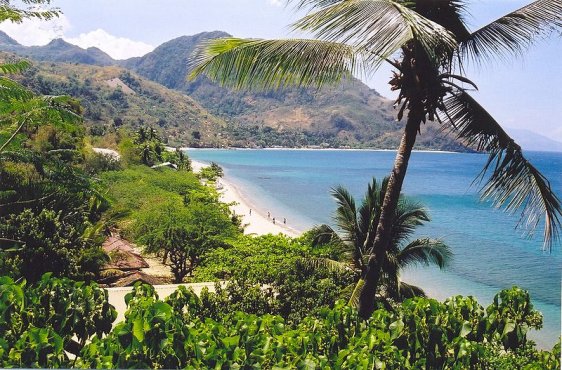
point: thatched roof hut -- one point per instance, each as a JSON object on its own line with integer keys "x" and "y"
{"x": 122, "y": 255}
{"x": 130, "y": 278}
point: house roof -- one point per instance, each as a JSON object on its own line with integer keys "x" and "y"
{"x": 133, "y": 276}
{"x": 122, "y": 255}
{"x": 166, "y": 164}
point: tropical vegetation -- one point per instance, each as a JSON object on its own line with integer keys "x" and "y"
{"x": 357, "y": 224}
{"x": 272, "y": 306}
{"x": 433, "y": 44}
{"x": 42, "y": 324}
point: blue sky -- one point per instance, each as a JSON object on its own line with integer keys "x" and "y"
{"x": 522, "y": 93}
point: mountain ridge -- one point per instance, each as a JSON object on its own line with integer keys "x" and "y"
{"x": 348, "y": 115}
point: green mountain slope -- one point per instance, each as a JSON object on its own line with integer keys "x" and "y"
{"x": 350, "y": 114}
{"x": 113, "y": 97}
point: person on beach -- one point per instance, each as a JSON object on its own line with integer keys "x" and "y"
{"x": 250, "y": 211}
{"x": 284, "y": 220}
{"x": 268, "y": 214}
{"x": 274, "y": 220}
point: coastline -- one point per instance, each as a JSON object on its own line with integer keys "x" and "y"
{"x": 321, "y": 149}
{"x": 436, "y": 283}
{"x": 254, "y": 219}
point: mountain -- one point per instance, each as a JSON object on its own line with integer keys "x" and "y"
{"x": 348, "y": 115}
{"x": 57, "y": 50}
{"x": 532, "y": 141}
{"x": 113, "y": 97}
{"x": 7, "y": 40}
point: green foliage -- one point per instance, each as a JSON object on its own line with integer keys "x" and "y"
{"x": 179, "y": 158}
{"x": 171, "y": 213}
{"x": 180, "y": 333}
{"x": 354, "y": 240}
{"x": 259, "y": 258}
{"x": 22, "y": 112}
{"x": 237, "y": 295}
{"x": 139, "y": 187}
{"x": 38, "y": 323}
{"x": 303, "y": 289}
{"x": 184, "y": 234}
{"x": 278, "y": 264}
{"x": 511, "y": 315}
{"x": 211, "y": 172}
{"x": 149, "y": 145}
{"x": 96, "y": 163}
{"x": 50, "y": 243}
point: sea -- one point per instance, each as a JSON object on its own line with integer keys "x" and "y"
{"x": 490, "y": 253}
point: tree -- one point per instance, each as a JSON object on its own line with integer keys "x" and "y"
{"x": 49, "y": 242}
{"x": 184, "y": 234}
{"x": 19, "y": 106}
{"x": 149, "y": 145}
{"x": 434, "y": 45}
{"x": 357, "y": 226}
{"x": 184, "y": 249}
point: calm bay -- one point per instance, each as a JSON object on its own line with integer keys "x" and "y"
{"x": 489, "y": 253}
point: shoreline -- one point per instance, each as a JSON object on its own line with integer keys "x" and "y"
{"x": 254, "y": 219}
{"x": 325, "y": 149}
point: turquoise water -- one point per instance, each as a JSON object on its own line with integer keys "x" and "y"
{"x": 489, "y": 253}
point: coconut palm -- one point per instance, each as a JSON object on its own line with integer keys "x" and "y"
{"x": 357, "y": 227}
{"x": 433, "y": 45}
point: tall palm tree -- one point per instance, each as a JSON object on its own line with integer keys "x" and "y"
{"x": 357, "y": 227}
{"x": 433, "y": 44}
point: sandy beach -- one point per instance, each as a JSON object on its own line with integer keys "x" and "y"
{"x": 255, "y": 220}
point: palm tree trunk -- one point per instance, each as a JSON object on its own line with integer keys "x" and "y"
{"x": 384, "y": 228}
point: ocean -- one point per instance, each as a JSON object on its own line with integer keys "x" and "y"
{"x": 489, "y": 253}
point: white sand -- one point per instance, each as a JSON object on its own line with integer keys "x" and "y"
{"x": 257, "y": 222}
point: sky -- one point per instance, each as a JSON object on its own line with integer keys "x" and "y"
{"x": 521, "y": 93}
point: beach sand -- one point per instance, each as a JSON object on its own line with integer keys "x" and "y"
{"x": 256, "y": 222}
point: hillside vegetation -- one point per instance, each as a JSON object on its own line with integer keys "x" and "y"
{"x": 112, "y": 97}
{"x": 348, "y": 115}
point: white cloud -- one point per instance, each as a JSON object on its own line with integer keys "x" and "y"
{"x": 36, "y": 32}
{"x": 116, "y": 47}
{"x": 276, "y": 2}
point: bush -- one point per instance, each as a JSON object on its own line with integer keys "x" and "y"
{"x": 48, "y": 242}
{"x": 38, "y": 323}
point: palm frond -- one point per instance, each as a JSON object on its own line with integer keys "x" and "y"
{"x": 9, "y": 90}
{"x": 369, "y": 214}
{"x": 324, "y": 234}
{"x": 425, "y": 251}
{"x": 346, "y": 213}
{"x": 15, "y": 15}
{"x": 379, "y": 26}
{"x": 409, "y": 215}
{"x": 514, "y": 182}
{"x": 15, "y": 67}
{"x": 354, "y": 299}
{"x": 513, "y": 33}
{"x": 273, "y": 64}
{"x": 313, "y": 4}
{"x": 327, "y": 263}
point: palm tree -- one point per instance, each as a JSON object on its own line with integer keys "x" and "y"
{"x": 357, "y": 226}
{"x": 434, "y": 45}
